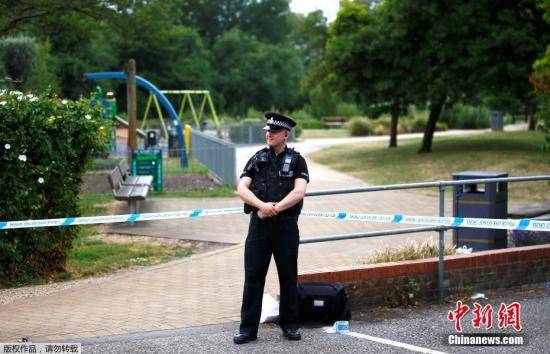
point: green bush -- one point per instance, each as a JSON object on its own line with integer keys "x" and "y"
{"x": 298, "y": 131}
{"x": 253, "y": 113}
{"x": 417, "y": 124}
{"x": 359, "y": 126}
{"x": 45, "y": 146}
{"x": 311, "y": 124}
{"x": 461, "y": 116}
{"x": 407, "y": 251}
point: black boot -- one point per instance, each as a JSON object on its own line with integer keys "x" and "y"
{"x": 245, "y": 337}
{"x": 292, "y": 334}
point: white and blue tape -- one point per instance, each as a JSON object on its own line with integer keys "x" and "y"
{"x": 478, "y": 223}
{"x": 117, "y": 218}
{"x": 504, "y": 224}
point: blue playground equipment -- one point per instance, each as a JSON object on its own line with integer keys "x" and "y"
{"x": 160, "y": 96}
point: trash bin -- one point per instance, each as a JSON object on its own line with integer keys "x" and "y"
{"x": 173, "y": 143}
{"x": 148, "y": 163}
{"x": 497, "y": 121}
{"x": 483, "y": 200}
{"x": 151, "y": 139}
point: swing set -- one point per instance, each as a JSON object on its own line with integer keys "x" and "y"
{"x": 186, "y": 99}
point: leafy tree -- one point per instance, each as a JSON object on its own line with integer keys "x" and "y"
{"x": 210, "y": 18}
{"x": 250, "y": 73}
{"x": 267, "y": 20}
{"x": 18, "y": 55}
{"x": 365, "y": 57}
{"x": 470, "y": 48}
{"x": 80, "y": 45}
{"x": 309, "y": 35}
{"x": 514, "y": 35}
{"x": 540, "y": 78}
{"x": 43, "y": 75}
{"x": 16, "y": 13}
{"x": 441, "y": 51}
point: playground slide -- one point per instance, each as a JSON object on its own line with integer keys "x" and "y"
{"x": 140, "y": 132}
{"x": 161, "y": 97}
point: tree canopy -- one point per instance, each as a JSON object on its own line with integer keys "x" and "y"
{"x": 436, "y": 52}
{"x": 381, "y": 56}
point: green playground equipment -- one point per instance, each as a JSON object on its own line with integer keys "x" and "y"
{"x": 206, "y": 99}
{"x": 108, "y": 102}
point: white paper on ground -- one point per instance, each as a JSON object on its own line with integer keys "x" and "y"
{"x": 270, "y": 309}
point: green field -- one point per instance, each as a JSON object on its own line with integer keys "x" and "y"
{"x": 518, "y": 153}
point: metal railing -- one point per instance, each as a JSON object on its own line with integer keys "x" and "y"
{"x": 440, "y": 229}
{"x": 216, "y": 154}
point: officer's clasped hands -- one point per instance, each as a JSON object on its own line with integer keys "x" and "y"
{"x": 267, "y": 210}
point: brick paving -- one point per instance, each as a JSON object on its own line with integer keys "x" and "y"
{"x": 207, "y": 288}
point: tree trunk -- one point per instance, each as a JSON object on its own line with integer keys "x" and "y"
{"x": 435, "y": 112}
{"x": 531, "y": 120}
{"x": 395, "y": 109}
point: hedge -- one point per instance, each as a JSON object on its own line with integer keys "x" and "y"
{"x": 45, "y": 145}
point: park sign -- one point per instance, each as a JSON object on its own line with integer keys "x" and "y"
{"x": 148, "y": 162}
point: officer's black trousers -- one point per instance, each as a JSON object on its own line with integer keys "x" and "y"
{"x": 280, "y": 237}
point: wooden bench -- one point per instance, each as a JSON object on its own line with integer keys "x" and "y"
{"x": 334, "y": 121}
{"x": 132, "y": 180}
{"x": 132, "y": 193}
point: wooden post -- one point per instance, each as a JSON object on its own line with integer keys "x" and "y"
{"x": 132, "y": 108}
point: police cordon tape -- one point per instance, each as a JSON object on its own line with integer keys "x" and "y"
{"x": 453, "y": 222}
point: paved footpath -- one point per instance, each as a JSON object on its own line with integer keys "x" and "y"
{"x": 207, "y": 288}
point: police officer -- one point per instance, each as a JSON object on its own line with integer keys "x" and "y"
{"x": 272, "y": 186}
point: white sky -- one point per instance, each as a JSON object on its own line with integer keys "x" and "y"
{"x": 329, "y": 7}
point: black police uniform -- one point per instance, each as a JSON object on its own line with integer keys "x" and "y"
{"x": 272, "y": 179}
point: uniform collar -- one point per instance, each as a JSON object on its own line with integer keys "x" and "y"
{"x": 283, "y": 153}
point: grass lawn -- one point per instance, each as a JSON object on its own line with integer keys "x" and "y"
{"x": 172, "y": 165}
{"x": 324, "y": 133}
{"x": 518, "y": 153}
{"x": 92, "y": 256}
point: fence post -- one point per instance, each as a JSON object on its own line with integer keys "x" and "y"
{"x": 441, "y": 271}
{"x": 131, "y": 102}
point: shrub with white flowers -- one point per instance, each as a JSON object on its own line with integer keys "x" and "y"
{"x": 45, "y": 145}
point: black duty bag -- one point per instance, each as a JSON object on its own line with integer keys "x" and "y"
{"x": 323, "y": 302}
